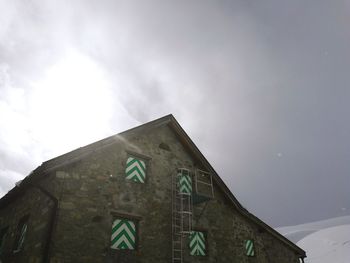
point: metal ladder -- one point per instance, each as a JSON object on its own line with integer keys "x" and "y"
{"x": 181, "y": 213}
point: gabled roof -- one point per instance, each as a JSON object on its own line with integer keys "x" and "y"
{"x": 169, "y": 120}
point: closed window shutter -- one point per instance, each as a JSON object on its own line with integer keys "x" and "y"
{"x": 123, "y": 234}
{"x": 185, "y": 182}
{"x": 197, "y": 243}
{"x": 249, "y": 248}
{"x": 135, "y": 170}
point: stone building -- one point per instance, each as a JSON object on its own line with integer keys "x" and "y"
{"x": 144, "y": 195}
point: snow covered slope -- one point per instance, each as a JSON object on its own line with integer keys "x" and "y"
{"x": 328, "y": 245}
{"x": 298, "y": 232}
{"x": 324, "y": 241}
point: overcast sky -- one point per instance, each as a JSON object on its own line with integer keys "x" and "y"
{"x": 262, "y": 87}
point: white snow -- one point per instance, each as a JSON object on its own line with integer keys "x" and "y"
{"x": 324, "y": 241}
{"x": 298, "y": 232}
{"x": 328, "y": 245}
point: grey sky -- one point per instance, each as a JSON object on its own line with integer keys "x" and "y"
{"x": 262, "y": 87}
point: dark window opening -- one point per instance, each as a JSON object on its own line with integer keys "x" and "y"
{"x": 21, "y": 234}
{"x": 3, "y": 235}
{"x": 164, "y": 146}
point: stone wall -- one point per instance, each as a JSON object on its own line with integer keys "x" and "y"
{"x": 38, "y": 207}
{"x": 92, "y": 191}
{"x": 95, "y": 191}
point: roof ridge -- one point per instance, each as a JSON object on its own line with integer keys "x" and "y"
{"x": 90, "y": 145}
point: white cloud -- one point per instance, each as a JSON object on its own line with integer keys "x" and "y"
{"x": 8, "y": 178}
{"x": 242, "y": 79}
{"x": 71, "y": 104}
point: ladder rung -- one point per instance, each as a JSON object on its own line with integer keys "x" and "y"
{"x": 181, "y": 212}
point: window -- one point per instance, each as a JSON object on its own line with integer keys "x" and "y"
{"x": 249, "y": 248}
{"x": 3, "y": 234}
{"x": 21, "y": 234}
{"x": 197, "y": 243}
{"x": 135, "y": 169}
{"x": 124, "y": 234}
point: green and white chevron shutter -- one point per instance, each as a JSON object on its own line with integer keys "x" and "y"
{"x": 197, "y": 243}
{"x": 185, "y": 182}
{"x": 249, "y": 248}
{"x": 123, "y": 234}
{"x": 135, "y": 170}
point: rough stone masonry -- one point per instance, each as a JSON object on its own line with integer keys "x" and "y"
{"x": 92, "y": 194}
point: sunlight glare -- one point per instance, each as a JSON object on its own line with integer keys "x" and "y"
{"x": 72, "y": 105}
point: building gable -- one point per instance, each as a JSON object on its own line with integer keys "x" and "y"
{"x": 160, "y": 147}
